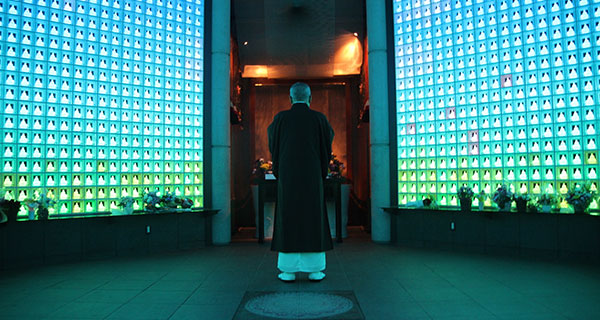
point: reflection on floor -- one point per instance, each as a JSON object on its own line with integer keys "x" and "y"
{"x": 389, "y": 283}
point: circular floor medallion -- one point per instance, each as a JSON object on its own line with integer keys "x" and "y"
{"x": 299, "y": 305}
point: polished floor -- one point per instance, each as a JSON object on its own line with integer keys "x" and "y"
{"x": 389, "y": 283}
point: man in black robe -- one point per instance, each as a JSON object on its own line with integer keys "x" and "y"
{"x": 300, "y": 144}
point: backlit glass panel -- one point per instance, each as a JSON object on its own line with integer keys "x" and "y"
{"x": 101, "y": 99}
{"x": 493, "y": 92}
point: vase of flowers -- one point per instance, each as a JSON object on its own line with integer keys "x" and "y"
{"x": 31, "y": 205}
{"x": 546, "y": 201}
{"x": 42, "y": 203}
{"x": 336, "y": 167}
{"x": 262, "y": 167}
{"x": 503, "y": 198}
{"x": 521, "y": 200}
{"x": 580, "y": 197}
{"x": 465, "y": 197}
{"x": 127, "y": 204}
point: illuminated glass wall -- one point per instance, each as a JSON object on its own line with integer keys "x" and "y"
{"x": 492, "y": 92}
{"x": 101, "y": 99}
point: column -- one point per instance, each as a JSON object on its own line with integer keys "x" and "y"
{"x": 221, "y": 140}
{"x": 379, "y": 120}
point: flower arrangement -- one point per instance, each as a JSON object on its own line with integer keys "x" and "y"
{"x": 169, "y": 200}
{"x": 31, "y": 203}
{"x": 126, "y": 202}
{"x": 45, "y": 202}
{"x": 41, "y": 202}
{"x": 465, "y": 193}
{"x": 261, "y": 167}
{"x": 503, "y": 197}
{"x": 580, "y": 197}
{"x": 336, "y": 167}
{"x": 186, "y": 203}
{"x": 151, "y": 200}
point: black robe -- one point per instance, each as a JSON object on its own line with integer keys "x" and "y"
{"x": 300, "y": 144}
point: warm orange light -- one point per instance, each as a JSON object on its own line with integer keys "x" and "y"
{"x": 255, "y": 71}
{"x": 348, "y": 56}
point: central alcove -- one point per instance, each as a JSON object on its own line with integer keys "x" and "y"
{"x": 275, "y": 44}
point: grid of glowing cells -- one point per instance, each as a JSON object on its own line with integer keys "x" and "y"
{"x": 496, "y": 92}
{"x": 101, "y": 99}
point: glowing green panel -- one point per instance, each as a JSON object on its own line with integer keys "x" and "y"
{"x": 101, "y": 99}
{"x": 492, "y": 92}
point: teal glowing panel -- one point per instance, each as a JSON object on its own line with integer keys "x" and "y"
{"x": 101, "y": 99}
{"x": 493, "y": 92}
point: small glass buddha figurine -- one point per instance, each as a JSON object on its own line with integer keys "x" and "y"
{"x": 592, "y": 158}
{"x": 592, "y": 173}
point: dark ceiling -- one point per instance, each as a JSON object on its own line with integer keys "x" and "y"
{"x": 297, "y": 38}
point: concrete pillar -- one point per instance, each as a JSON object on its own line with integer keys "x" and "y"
{"x": 379, "y": 120}
{"x": 221, "y": 139}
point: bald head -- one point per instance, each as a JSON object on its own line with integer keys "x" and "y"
{"x": 300, "y": 92}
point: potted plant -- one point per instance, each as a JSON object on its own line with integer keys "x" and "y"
{"x": 503, "y": 197}
{"x": 9, "y": 209}
{"x": 580, "y": 197}
{"x": 546, "y": 201}
{"x": 522, "y": 200}
{"x": 465, "y": 196}
{"x": 127, "y": 204}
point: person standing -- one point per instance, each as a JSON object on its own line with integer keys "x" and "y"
{"x": 300, "y": 144}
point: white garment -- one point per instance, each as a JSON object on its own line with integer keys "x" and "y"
{"x": 301, "y": 262}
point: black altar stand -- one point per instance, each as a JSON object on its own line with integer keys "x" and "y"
{"x": 267, "y": 191}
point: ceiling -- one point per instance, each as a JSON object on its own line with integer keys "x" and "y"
{"x": 299, "y": 39}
